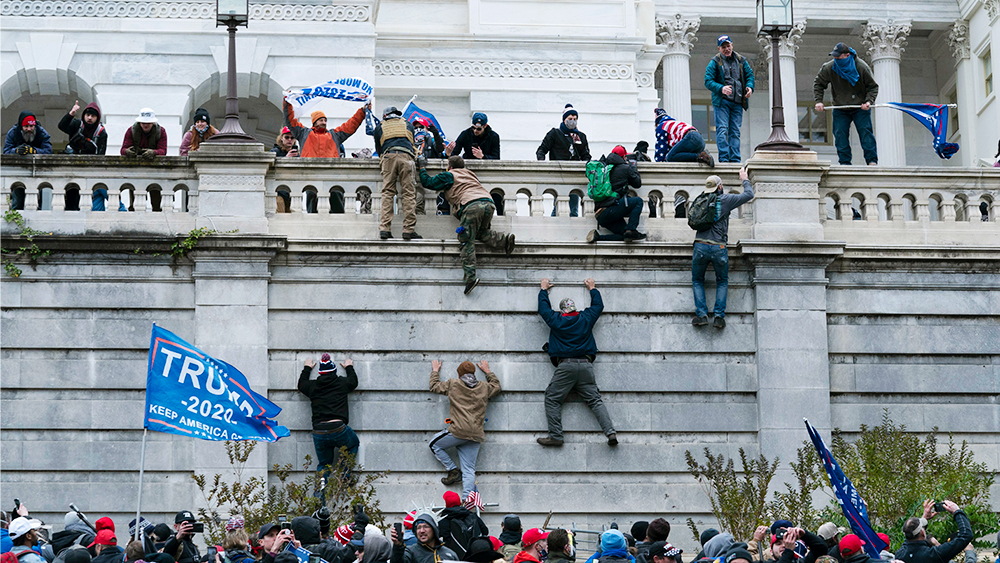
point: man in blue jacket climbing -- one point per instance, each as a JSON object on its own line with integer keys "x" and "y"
{"x": 572, "y": 349}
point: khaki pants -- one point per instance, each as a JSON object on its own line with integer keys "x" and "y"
{"x": 397, "y": 177}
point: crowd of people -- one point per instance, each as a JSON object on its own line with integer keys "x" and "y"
{"x": 455, "y": 533}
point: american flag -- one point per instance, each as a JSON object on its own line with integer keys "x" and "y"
{"x": 474, "y": 500}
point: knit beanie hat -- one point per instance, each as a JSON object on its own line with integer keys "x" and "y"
{"x": 451, "y": 499}
{"x": 658, "y": 530}
{"x": 738, "y": 553}
{"x": 466, "y": 367}
{"x": 316, "y": 115}
{"x": 144, "y": 524}
{"x": 343, "y": 534}
{"x": 327, "y": 366}
{"x": 568, "y": 111}
{"x": 613, "y": 540}
{"x": 639, "y": 530}
{"x": 201, "y": 114}
{"x": 641, "y": 146}
{"x": 707, "y": 535}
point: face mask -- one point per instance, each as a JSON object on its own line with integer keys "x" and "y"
{"x": 201, "y": 128}
{"x": 543, "y": 555}
{"x": 571, "y": 123}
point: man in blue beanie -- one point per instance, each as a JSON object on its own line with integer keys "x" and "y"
{"x": 477, "y": 142}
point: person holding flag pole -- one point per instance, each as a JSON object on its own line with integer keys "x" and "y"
{"x": 932, "y": 116}
{"x": 852, "y": 83}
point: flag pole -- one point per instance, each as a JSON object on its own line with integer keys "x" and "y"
{"x": 142, "y": 467}
{"x": 876, "y": 106}
{"x": 409, "y": 102}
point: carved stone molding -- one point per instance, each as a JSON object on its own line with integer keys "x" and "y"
{"x": 958, "y": 40}
{"x": 179, "y": 10}
{"x": 678, "y": 34}
{"x": 786, "y": 190}
{"x": 761, "y": 69}
{"x": 788, "y": 44}
{"x": 885, "y": 39}
{"x": 492, "y": 69}
{"x": 644, "y": 79}
{"x": 992, "y": 8}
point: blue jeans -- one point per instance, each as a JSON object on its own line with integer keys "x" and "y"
{"x": 327, "y": 446}
{"x": 687, "y": 149}
{"x": 728, "y": 120}
{"x": 842, "y": 119}
{"x": 17, "y": 199}
{"x": 98, "y": 198}
{"x": 719, "y": 258}
{"x": 613, "y": 217}
{"x": 574, "y": 206}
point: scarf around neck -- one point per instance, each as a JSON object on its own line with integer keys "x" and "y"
{"x": 847, "y": 68}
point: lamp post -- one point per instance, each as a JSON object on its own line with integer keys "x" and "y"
{"x": 774, "y": 18}
{"x": 232, "y": 13}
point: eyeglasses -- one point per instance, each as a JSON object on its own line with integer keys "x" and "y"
{"x": 478, "y": 127}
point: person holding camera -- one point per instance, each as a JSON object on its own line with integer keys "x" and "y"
{"x": 274, "y": 538}
{"x": 428, "y": 549}
{"x": 182, "y": 547}
{"x": 918, "y": 549}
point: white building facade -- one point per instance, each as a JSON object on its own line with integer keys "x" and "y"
{"x": 519, "y": 61}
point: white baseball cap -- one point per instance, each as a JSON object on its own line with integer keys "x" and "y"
{"x": 146, "y": 115}
{"x": 22, "y": 525}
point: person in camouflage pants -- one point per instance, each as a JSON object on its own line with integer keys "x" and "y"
{"x": 473, "y": 206}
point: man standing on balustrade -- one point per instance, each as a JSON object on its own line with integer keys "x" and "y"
{"x": 566, "y": 142}
{"x": 853, "y": 84}
{"x": 394, "y": 145}
{"x": 473, "y": 206}
{"x": 730, "y": 79}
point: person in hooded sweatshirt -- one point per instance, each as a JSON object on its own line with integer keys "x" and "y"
{"x": 74, "y": 533}
{"x": 377, "y": 548}
{"x": 307, "y": 532}
{"x": 201, "y": 131}
{"x": 86, "y": 135}
{"x": 619, "y": 213}
{"x": 428, "y": 549}
{"x": 27, "y": 136}
{"x": 328, "y": 395}
{"x": 612, "y": 549}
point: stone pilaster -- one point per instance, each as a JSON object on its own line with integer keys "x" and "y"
{"x": 678, "y": 35}
{"x": 886, "y": 40}
{"x": 645, "y": 70}
{"x": 788, "y": 46}
{"x": 958, "y": 41}
{"x": 231, "y": 186}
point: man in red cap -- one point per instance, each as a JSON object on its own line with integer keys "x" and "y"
{"x": 106, "y": 548}
{"x": 328, "y": 397}
{"x": 611, "y": 212}
{"x": 534, "y": 542}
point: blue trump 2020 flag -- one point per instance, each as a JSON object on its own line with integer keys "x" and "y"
{"x": 193, "y": 394}
{"x": 850, "y": 502}
{"x": 935, "y": 119}
{"x": 411, "y": 111}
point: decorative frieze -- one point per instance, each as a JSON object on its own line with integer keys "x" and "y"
{"x": 179, "y": 10}
{"x": 678, "y": 34}
{"x": 958, "y": 40}
{"x": 510, "y": 69}
{"x": 644, "y": 79}
{"x": 885, "y": 39}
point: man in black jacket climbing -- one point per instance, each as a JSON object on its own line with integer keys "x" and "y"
{"x": 328, "y": 395}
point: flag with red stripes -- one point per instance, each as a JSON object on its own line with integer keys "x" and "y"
{"x": 474, "y": 500}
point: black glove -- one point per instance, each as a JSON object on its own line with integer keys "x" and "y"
{"x": 421, "y": 162}
{"x": 131, "y": 152}
{"x": 361, "y": 519}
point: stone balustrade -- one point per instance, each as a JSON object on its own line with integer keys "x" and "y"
{"x": 856, "y": 204}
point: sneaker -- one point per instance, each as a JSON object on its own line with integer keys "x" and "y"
{"x": 385, "y": 235}
{"x": 454, "y": 476}
{"x": 470, "y": 285}
{"x": 719, "y": 322}
{"x": 634, "y": 235}
{"x": 509, "y": 244}
{"x": 411, "y": 236}
{"x": 699, "y": 321}
{"x": 592, "y": 237}
{"x": 705, "y": 158}
{"x": 552, "y": 442}
{"x": 613, "y": 440}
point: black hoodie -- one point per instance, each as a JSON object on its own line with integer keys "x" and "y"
{"x": 328, "y": 394}
{"x": 623, "y": 175}
{"x": 83, "y": 138}
{"x": 307, "y": 531}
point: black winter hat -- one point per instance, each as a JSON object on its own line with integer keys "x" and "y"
{"x": 658, "y": 530}
{"x": 641, "y": 146}
{"x": 639, "y": 530}
{"x": 707, "y": 535}
{"x": 202, "y": 113}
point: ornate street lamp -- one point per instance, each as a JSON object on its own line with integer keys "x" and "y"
{"x": 774, "y": 18}
{"x": 232, "y": 13}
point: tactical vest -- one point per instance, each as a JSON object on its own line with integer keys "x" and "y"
{"x": 394, "y": 129}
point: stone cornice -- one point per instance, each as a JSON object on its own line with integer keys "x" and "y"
{"x": 958, "y": 40}
{"x": 678, "y": 34}
{"x": 180, "y": 10}
{"x": 885, "y": 39}
{"x": 502, "y": 69}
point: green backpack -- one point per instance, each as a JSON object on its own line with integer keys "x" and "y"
{"x": 599, "y": 180}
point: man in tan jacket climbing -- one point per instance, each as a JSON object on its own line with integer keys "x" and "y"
{"x": 468, "y": 397}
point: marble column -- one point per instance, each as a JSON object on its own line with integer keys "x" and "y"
{"x": 885, "y": 40}
{"x": 788, "y": 46}
{"x": 965, "y": 83}
{"x": 677, "y": 35}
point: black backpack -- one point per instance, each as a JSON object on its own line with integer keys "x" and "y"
{"x": 462, "y": 532}
{"x": 705, "y": 210}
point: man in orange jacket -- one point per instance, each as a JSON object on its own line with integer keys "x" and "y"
{"x": 318, "y": 141}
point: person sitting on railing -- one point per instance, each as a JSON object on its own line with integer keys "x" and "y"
{"x": 473, "y": 206}
{"x": 566, "y": 142}
{"x": 201, "y": 131}
{"x": 479, "y": 141}
{"x": 86, "y": 135}
{"x": 317, "y": 140}
{"x": 677, "y": 141}
{"x": 145, "y": 139}
{"x": 612, "y": 211}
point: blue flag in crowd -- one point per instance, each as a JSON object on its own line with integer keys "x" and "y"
{"x": 411, "y": 110}
{"x": 193, "y": 394}
{"x": 301, "y": 553}
{"x": 935, "y": 119}
{"x": 850, "y": 502}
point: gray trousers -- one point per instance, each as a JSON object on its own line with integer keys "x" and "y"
{"x": 468, "y": 451}
{"x": 575, "y": 374}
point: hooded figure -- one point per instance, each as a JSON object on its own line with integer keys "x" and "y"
{"x": 27, "y": 137}
{"x": 428, "y": 549}
{"x": 198, "y": 133}
{"x": 86, "y": 135}
{"x": 377, "y": 548}
{"x": 306, "y": 530}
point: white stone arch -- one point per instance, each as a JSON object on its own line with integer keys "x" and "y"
{"x": 260, "y": 102}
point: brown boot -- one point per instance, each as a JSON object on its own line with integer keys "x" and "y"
{"x": 705, "y": 158}
{"x": 454, "y": 476}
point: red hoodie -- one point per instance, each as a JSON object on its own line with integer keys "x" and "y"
{"x": 524, "y": 556}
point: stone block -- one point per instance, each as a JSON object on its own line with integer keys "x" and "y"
{"x": 230, "y": 292}
{"x": 774, "y": 334}
{"x": 901, "y": 335}
{"x": 926, "y": 378}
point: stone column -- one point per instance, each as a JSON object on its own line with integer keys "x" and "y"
{"x": 965, "y": 84}
{"x": 677, "y": 35}
{"x": 885, "y": 40}
{"x": 645, "y": 69}
{"x": 231, "y": 186}
{"x": 788, "y": 46}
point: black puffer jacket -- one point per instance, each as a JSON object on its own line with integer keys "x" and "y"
{"x": 328, "y": 394}
{"x": 623, "y": 175}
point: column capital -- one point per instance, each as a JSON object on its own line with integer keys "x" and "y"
{"x": 885, "y": 39}
{"x": 788, "y": 44}
{"x": 958, "y": 40}
{"x": 678, "y": 33}
{"x": 992, "y": 8}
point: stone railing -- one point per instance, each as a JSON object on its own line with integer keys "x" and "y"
{"x": 243, "y": 188}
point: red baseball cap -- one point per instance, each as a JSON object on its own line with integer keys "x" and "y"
{"x": 533, "y": 535}
{"x": 850, "y": 545}
{"x": 104, "y": 537}
{"x": 104, "y": 524}
{"x": 619, "y": 150}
